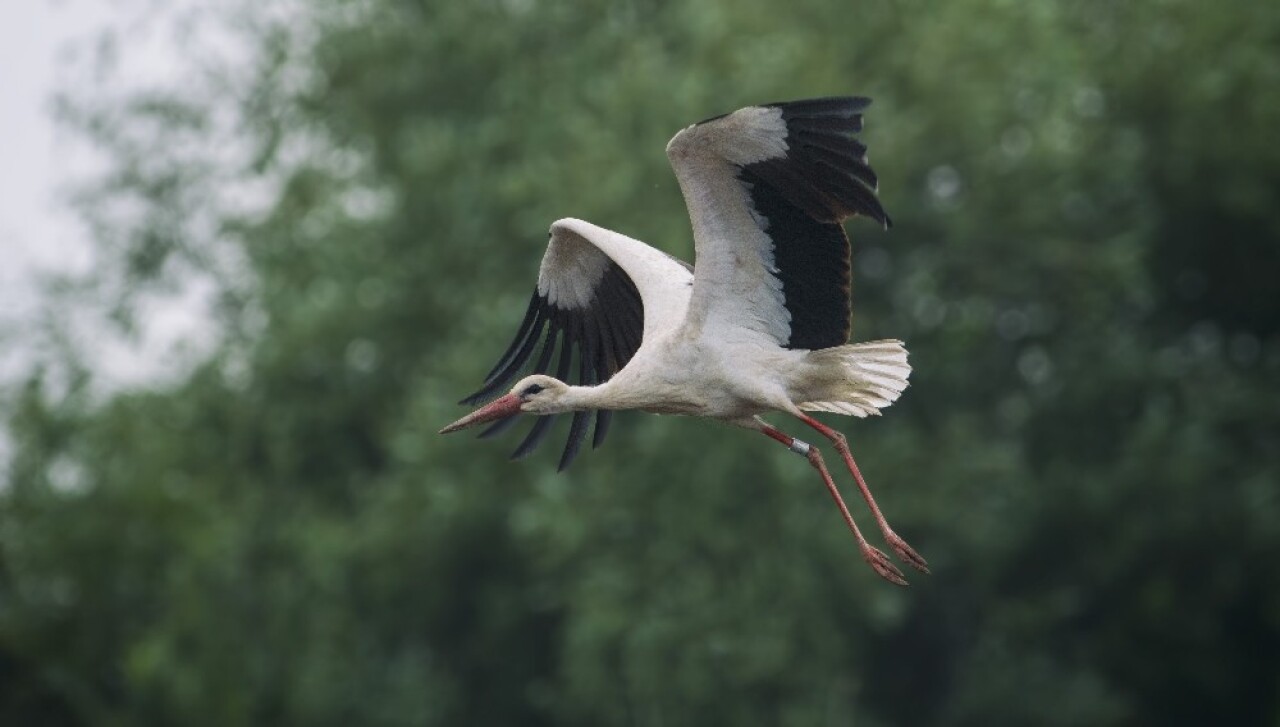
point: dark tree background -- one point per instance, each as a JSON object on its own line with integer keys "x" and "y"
{"x": 1084, "y": 268}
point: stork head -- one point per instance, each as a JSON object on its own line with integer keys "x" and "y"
{"x": 537, "y": 394}
{"x": 540, "y": 394}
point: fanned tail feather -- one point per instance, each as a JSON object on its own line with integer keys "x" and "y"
{"x": 858, "y": 379}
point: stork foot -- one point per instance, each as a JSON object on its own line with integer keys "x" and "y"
{"x": 880, "y": 563}
{"x": 905, "y": 552}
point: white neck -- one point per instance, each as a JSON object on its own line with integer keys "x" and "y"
{"x": 602, "y": 396}
{"x": 579, "y": 398}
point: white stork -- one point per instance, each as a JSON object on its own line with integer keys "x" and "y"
{"x": 761, "y": 324}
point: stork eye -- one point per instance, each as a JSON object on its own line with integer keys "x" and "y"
{"x": 532, "y": 389}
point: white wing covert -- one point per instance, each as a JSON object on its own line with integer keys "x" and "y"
{"x": 767, "y": 189}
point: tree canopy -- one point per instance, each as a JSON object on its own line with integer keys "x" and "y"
{"x": 1087, "y": 207}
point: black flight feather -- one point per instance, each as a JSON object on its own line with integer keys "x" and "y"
{"x": 604, "y": 334}
{"x": 802, "y": 198}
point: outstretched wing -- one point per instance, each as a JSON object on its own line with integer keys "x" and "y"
{"x": 599, "y": 295}
{"x": 767, "y": 189}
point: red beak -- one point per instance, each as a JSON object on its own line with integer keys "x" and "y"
{"x": 499, "y": 408}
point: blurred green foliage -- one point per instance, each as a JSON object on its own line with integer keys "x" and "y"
{"x": 1088, "y": 205}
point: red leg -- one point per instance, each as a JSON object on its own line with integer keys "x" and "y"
{"x": 878, "y": 561}
{"x": 905, "y": 552}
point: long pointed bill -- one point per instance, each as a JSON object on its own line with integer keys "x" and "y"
{"x": 499, "y": 408}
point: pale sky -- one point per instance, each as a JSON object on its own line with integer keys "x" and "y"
{"x": 40, "y": 40}
{"x": 34, "y": 231}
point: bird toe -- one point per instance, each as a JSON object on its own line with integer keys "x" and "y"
{"x": 906, "y": 553}
{"x": 880, "y": 563}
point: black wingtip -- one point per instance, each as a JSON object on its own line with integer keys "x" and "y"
{"x": 838, "y": 107}
{"x": 603, "y": 418}
{"x": 538, "y": 433}
{"x": 825, "y": 171}
{"x": 823, "y": 106}
{"x": 498, "y": 427}
{"x": 577, "y": 432}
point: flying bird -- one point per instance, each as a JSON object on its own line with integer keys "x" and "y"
{"x": 760, "y": 324}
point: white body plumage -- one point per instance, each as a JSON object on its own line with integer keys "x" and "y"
{"x": 760, "y": 325}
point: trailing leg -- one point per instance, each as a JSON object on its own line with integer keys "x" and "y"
{"x": 876, "y": 558}
{"x": 905, "y": 552}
